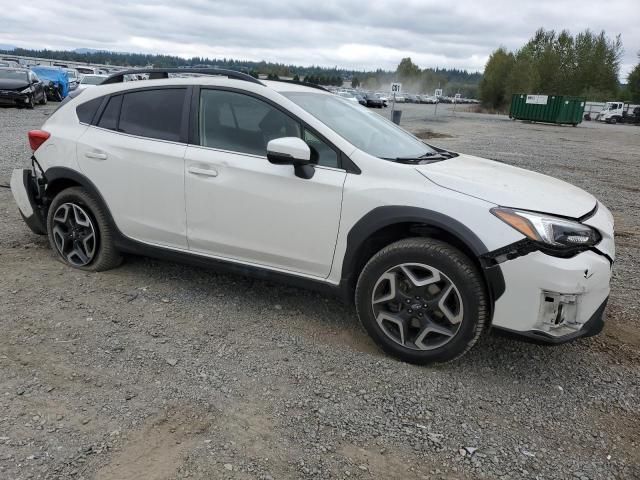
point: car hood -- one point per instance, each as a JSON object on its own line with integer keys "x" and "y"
{"x": 10, "y": 84}
{"x": 509, "y": 186}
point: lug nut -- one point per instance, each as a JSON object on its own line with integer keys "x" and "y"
{"x": 410, "y": 311}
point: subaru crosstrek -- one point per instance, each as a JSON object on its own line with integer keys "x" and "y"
{"x": 287, "y": 181}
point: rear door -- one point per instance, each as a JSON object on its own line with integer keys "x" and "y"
{"x": 134, "y": 154}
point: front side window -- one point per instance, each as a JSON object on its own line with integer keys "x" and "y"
{"x": 241, "y": 123}
{"x": 362, "y": 128}
{"x": 153, "y": 113}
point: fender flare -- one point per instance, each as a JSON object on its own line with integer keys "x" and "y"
{"x": 54, "y": 174}
{"x": 381, "y": 217}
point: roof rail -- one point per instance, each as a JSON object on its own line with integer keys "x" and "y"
{"x": 304, "y": 84}
{"x": 157, "y": 73}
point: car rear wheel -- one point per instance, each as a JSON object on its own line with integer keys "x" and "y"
{"x": 79, "y": 231}
{"x": 422, "y": 301}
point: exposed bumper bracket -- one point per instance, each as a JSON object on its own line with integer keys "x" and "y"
{"x": 24, "y": 189}
{"x": 592, "y": 327}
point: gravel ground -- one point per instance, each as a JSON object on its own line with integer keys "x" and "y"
{"x": 160, "y": 371}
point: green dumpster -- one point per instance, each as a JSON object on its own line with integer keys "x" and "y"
{"x": 547, "y": 108}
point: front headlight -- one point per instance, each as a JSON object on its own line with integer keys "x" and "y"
{"x": 26, "y": 90}
{"x": 553, "y": 231}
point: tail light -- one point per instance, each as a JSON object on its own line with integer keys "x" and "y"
{"x": 37, "y": 138}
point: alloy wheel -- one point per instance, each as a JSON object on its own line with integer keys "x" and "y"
{"x": 74, "y": 234}
{"x": 417, "y": 306}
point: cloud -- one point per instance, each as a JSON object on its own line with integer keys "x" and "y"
{"x": 357, "y": 34}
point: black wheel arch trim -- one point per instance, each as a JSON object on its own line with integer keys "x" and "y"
{"x": 387, "y": 216}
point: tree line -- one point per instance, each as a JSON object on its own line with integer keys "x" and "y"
{"x": 374, "y": 80}
{"x": 551, "y": 63}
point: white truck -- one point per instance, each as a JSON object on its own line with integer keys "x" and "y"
{"x": 611, "y": 113}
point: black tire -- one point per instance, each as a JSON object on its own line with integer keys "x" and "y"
{"x": 43, "y": 101}
{"x": 462, "y": 273}
{"x": 106, "y": 255}
{"x": 31, "y": 103}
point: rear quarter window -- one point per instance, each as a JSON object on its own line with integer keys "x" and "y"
{"x": 87, "y": 110}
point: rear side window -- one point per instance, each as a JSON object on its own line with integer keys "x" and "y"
{"x": 87, "y": 110}
{"x": 153, "y": 113}
{"x": 109, "y": 117}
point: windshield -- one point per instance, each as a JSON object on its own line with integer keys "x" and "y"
{"x": 362, "y": 128}
{"x": 14, "y": 75}
{"x": 92, "y": 80}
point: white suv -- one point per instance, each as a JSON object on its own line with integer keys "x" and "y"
{"x": 283, "y": 180}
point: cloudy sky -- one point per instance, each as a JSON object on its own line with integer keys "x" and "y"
{"x": 359, "y": 34}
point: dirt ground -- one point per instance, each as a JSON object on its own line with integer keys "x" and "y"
{"x": 161, "y": 371}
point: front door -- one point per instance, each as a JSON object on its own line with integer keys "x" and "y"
{"x": 241, "y": 207}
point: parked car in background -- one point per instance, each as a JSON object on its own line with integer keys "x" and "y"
{"x": 87, "y": 70}
{"x": 56, "y": 82}
{"x": 428, "y": 99}
{"x": 74, "y": 78}
{"x": 87, "y": 81}
{"x": 399, "y": 98}
{"x": 373, "y": 101}
{"x": 411, "y": 98}
{"x": 361, "y": 100}
{"x": 20, "y": 87}
{"x": 9, "y": 64}
{"x": 384, "y": 98}
{"x": 349, "y": 96}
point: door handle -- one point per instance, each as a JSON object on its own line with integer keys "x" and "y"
{"x": 207, "y": 172}
{"x": 96, "y": 155}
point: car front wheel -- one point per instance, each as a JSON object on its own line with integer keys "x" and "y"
{"x": 422, "y": 301}
{"x": 79, "y": 231}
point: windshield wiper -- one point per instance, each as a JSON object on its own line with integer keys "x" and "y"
{"x": 426, "y": 158}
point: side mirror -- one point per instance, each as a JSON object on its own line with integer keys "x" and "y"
{"x": 291, "y": 151}
{"x": 34, "y": 81}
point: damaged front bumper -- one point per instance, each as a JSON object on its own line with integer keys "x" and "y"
{"x": 26, "y": 193}
{"x": 553, "y": 299}
{"x": 14, "y": 98}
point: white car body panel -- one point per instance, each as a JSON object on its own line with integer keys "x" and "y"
{"x": 510, "y": 186}
{"x": 142, "y": 181}
{"x": 250, "y": 210}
